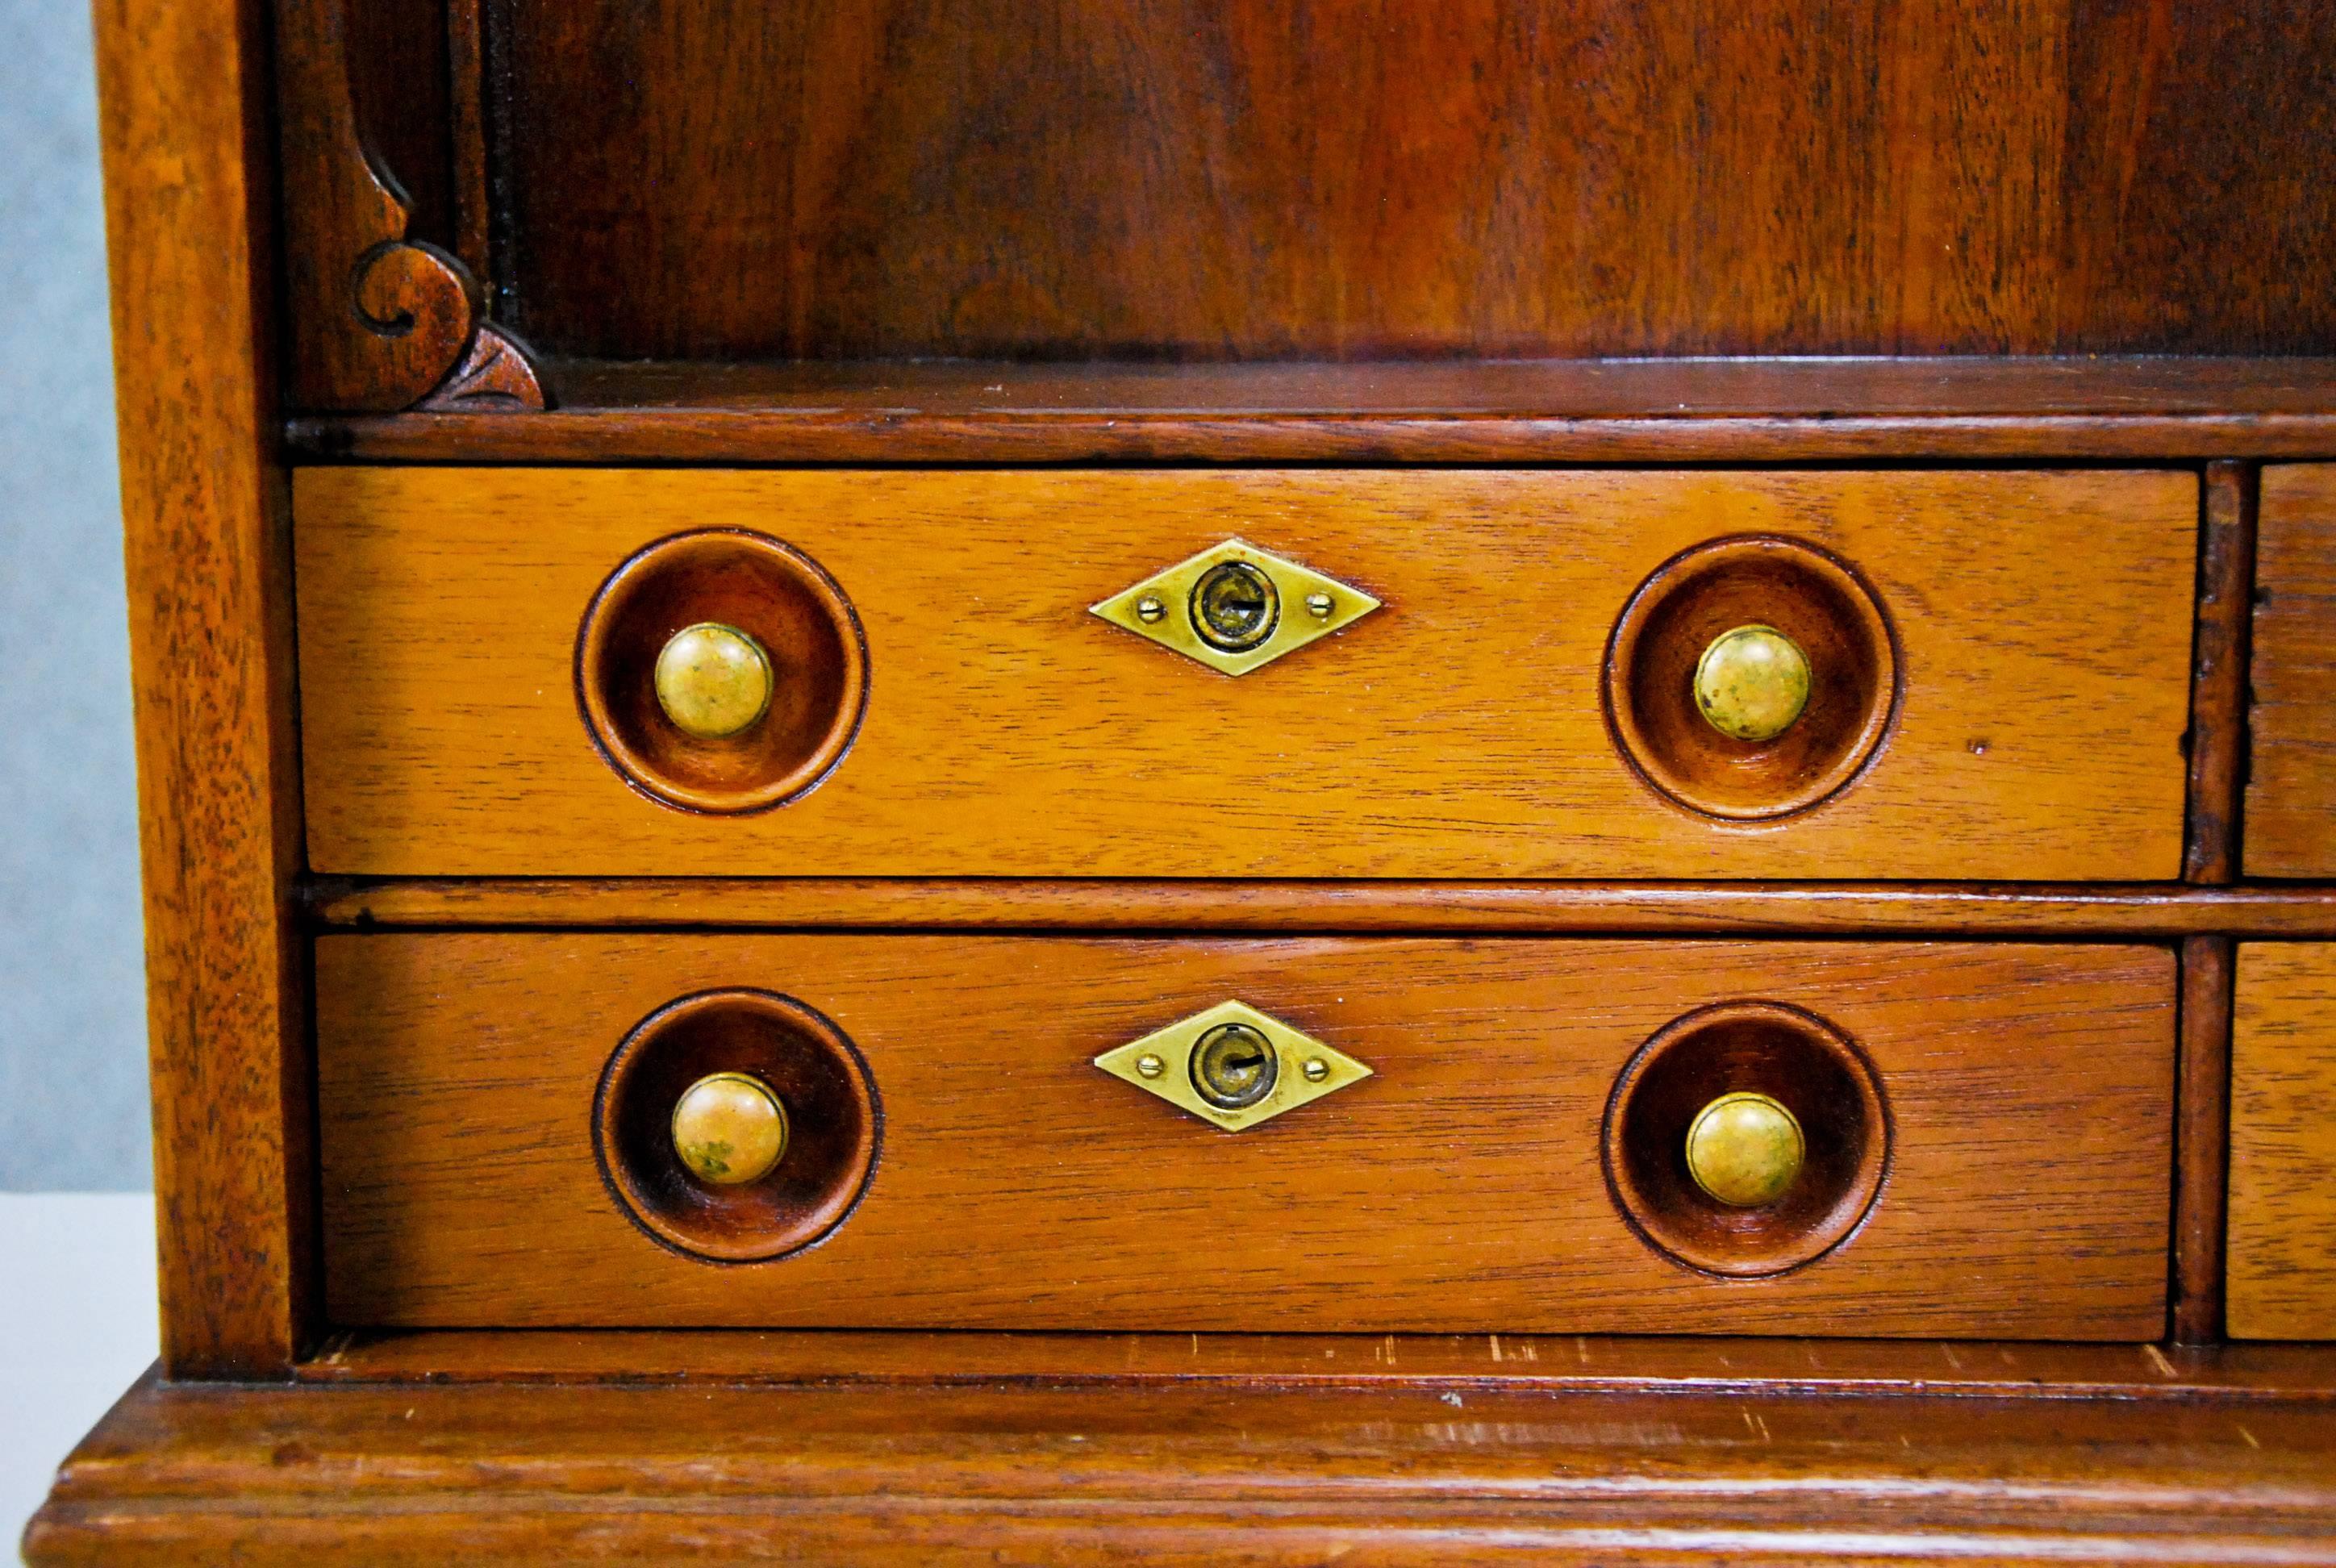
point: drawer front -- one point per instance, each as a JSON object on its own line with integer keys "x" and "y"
{"x": 2291, "y": 808}
{"x": 477, "y": 1170}
{"x": 2282, "y": 1235}
{"x": 2026, "y": 683}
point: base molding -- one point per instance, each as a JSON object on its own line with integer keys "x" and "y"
{"x": 706, "y": 1471}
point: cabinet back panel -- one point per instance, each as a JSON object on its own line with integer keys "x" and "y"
{"x": 1257, "y": 179}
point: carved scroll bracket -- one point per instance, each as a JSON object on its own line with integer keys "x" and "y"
{"x": 378, "y": 321}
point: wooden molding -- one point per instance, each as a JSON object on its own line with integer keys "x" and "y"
{"x": 379, "y": 320}
{"x": 2145, "y": 910}
{"x": 411, "y": 1472}
{"x": 2119, "y": 409}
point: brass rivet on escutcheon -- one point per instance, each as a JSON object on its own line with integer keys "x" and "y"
{"x": 1744, "y": 1150}
{"x": 713, "y": 681}
{"x": 1752, "y": 683}
{"x": 729, "y": 1129}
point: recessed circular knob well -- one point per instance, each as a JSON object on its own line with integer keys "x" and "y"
{"x": 1235, "y": 606}
{"x": 721, "y": 671}
{"x": 1744, "y": 1150}
{"x": 1752, "y": 683}
{"x": 1747, "y": 1138}
{"x": 713, "y": 681}
{"x": 1234, "y": 1066}
{"x": 729, "y": 1129}
{"x": 1751, "y": 677}
{"x": 739, "y": 1125}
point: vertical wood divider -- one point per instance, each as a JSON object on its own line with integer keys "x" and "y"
{"x": 188, "y": 217}
{"x": 2218, "y": 690}
{"x": 2202, "y": 1138}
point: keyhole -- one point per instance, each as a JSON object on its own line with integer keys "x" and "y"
{"x": 1234, "y": 606}
{"x": 1234, "y": 1067}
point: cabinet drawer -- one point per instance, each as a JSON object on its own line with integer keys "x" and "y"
{"x": 2282, "y": 1247}
{"x": 1984, "y": 1131}
{"x": 1997, "y": 665}
{"x": 2290, "y": 807}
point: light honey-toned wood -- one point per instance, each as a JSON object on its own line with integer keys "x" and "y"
{"x": 2044, "y": 622}
{"x": 2282, "y": 1238}
{"x": 2291, "y": 817}
{"x": 2029, "y": 1091}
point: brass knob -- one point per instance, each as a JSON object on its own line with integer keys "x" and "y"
{"x": 729, "y": 1129}
{"x": 1744, "y": 1150}
{"x": 714, "y": 681}
{"x": 1752, "y": 683}
{"x": 1234, "y": 606}
{"x": 1234, "y": 1066}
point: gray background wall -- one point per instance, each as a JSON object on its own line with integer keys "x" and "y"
{"x": 73, "y": 1028}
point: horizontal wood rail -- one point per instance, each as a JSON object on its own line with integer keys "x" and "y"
{"x": 2140, "y": 910}
{"x": 2151, "y": 410}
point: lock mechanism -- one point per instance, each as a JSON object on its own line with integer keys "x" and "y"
{"x": 1233, "y": 1066}
{"x": 1236, "y": 608}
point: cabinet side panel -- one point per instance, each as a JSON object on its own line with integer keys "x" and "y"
{"x": 180, "y": 88}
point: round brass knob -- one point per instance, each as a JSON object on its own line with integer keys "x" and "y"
{"x": 729, "y": 1129}
{"x": 1234, "y": 1067}
{"x": 713, "y": 681}
{"x": 1744, "y": 1150}
{"x": 1235, "y": 606}
{"x": 1752, "y": 683}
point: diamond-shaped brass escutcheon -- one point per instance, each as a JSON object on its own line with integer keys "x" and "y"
{"x": 1234, "y": 606}
{"x": 1234, "y": 1067}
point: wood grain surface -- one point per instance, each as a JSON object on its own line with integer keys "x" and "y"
{"x": 2044, "y": 621}
{"x": 2202, "y": 1103}
{"x": 1479, "y": 410}
{"x": 2290, "y": 821}
{"x": 2218, "y": 672}
{"x": 2282, "y": 1184}
{"x": 2073, "y": 912}
{"x": 409, "y": 1476}
{"x": 1570, "y": 1363}
{"x": 183, "y": 119}
{"x": 1206, "y": 179}
{"x": 2029, "y": 1087}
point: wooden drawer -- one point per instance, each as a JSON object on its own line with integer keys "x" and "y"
{"x": 2281, "y": 1236}
{"x": 2290, "y": 807}
{"x": 2028, "y": 723}
{"x": 2020, "y": 1136}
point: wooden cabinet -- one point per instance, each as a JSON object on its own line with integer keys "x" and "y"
{"x": 771, "y": 639}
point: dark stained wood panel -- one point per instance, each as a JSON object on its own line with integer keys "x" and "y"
{"x": 2029, "y": 1092}
{"x": 2290, "y": 805}
{"x": 184, "y": 91}
{"x": 1241, "y": 179}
